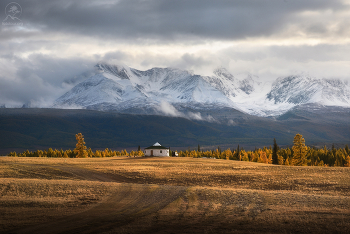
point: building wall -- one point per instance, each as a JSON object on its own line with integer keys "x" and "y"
{"x": 157, "y": 152}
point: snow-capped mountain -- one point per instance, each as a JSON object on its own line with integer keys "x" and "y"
{"x": 303, "y": 89}
{"x": 120, "y": 87}
{"x": 161, "y": 90}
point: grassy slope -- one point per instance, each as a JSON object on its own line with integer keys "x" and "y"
{"x": 178, "y": 195}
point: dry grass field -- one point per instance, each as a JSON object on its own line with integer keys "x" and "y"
{"x": 170, "y": 195}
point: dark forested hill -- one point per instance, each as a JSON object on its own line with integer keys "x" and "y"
{"x": 56, "y": 128}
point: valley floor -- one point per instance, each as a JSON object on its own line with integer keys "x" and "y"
{"x": 170, "y": 195}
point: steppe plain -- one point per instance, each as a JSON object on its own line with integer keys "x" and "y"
{"x": 170, "y": 195}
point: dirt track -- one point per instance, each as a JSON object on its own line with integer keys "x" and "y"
{"x": 162, "y": 208}
{"x": 125, "y": 206}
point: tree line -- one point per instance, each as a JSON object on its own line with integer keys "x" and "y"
{"x": 80, "y": 151}
{"x": 298, "y": 155}
{"x": 55, "y": 153}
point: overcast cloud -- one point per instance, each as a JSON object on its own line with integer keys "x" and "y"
{"x": 60, "y": 40}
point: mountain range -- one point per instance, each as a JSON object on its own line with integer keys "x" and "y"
{"x": 175, "y": 92}
{"x": 116, "y": 106}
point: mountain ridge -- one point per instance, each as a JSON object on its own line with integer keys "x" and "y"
{"x": 119, "y": 88}
{"x": 40, "y": 128}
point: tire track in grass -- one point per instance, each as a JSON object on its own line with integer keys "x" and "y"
{"x": 128, "y": 203}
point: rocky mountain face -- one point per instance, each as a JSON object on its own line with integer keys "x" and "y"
{"x": 170, "y": 91}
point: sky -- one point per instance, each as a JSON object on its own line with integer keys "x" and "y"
{"x": 59, "y": 40}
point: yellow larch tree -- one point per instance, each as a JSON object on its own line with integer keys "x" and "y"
{"x": 80, "y": 148}
{"x": 299, "y": 151}
{"x": 347, "y": 161}
{"x": 228, "y": 154}
{"x": 262, "y": 157}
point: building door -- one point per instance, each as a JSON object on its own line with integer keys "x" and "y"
{"x": 151, "y": 152}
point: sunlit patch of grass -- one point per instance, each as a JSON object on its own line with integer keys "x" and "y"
{"x": 156, "y": 191}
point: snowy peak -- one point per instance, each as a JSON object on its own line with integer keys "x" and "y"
{"x": 303, "y": 89}
{"x": 335, "y": 91}
{"x": 125, "y": 89}
{"x": 293, "y": 89}
{"x": 116, "y": 70}
{"x": 233, "y": 86}
{"x": 122, "y": 87}
{"x": 223, "y": 73}
{"x": 249, "y": 84}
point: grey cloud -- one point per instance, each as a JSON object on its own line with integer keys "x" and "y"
{"x": 54, "y": 71}
{"x": 194, "y": 60}
{"x": 138, "y": 20}
{"x": 37, "y": 42}
{"x": 184, "y": 61}
{"x": 40, "y": 79}
{"x": 33, "y": 89}
{"x": 300, "y": 54}
{"x": 321, "y": 52}
{"x": 115, "y": 55}
{"x": 54, "y": 25}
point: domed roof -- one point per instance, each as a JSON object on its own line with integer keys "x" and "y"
{"x": 156, "y": 146}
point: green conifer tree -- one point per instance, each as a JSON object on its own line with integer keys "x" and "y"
{"x": 274, "y": 152}
{"x": 347, "y": 149}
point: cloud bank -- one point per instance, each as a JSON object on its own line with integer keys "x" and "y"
{"x": 60, "y": 41}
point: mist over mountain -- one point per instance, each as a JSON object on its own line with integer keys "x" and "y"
{"x": 175, "y": 92}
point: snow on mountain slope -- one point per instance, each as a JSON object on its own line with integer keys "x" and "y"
{"x": 98, "y": 89}
{"x": 116, "y": 87}
{"x": 303, "y": 89}
{"x": 124, "y": 87}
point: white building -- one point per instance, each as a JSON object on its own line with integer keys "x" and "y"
{"x": 156, "y": 150}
